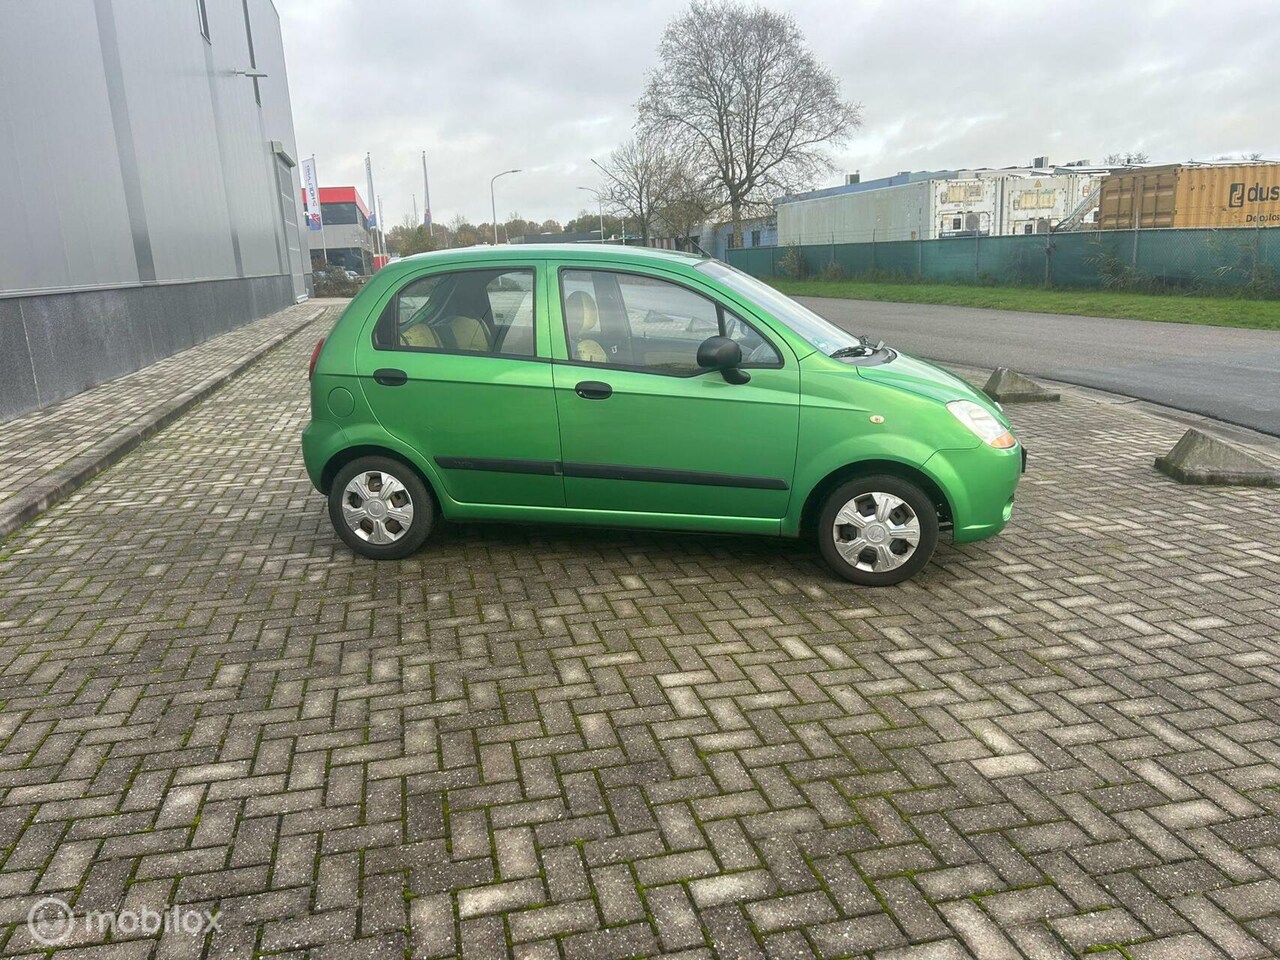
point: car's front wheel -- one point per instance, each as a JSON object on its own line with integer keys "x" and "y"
{"x": 878, "y": 530}
{"x": 381, "y": 508}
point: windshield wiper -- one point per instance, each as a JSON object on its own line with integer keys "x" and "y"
{"x": 862, "y": 349}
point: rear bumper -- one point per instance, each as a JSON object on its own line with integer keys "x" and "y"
{"x": 979, "y": 483}
{"x": 321, "y": 439}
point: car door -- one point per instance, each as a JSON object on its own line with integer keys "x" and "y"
{"x": 458, "y": 368}
{"x": 642, "y": 427}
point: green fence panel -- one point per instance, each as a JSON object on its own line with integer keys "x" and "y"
{"x": 1120, "y": 259}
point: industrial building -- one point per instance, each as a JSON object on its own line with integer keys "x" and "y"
{"x": 344, "y": 238}
{"x": 150, "y": 188}
{"x": 716, "y": 238}
{"x": 935, "y": 204}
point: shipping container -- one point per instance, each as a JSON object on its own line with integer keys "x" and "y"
{"x": 969, "y": 203}
{"x": 892, "y": 213}
{"x": 1230, "y": 195}
{"x": 1240, "y": 195}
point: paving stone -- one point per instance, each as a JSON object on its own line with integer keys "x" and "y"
{"x": 547, "y": 742}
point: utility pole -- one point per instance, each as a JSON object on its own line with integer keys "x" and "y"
{"x": 414, "y": 197}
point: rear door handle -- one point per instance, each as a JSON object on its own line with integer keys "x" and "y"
{"x": 390, "y": 377}
{"x": 593, "y": 390}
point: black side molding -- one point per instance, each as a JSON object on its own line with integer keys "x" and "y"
{"x": 541, "y": 468}
{"x": 603, "y": 471}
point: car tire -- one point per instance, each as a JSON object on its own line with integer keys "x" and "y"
{"x": 869, "y": 511}
{"x": 380, "y": 508}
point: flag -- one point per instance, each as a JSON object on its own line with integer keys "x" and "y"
{"x": 311, "y": 195}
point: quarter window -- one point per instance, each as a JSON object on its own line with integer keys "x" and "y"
{"x": 629, "y": 320}
{"x": 474, "y": 311}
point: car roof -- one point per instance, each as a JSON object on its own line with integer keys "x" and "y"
{"x": 556, "y": 251}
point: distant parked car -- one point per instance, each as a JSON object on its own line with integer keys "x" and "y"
{"x": 636, "y": 387}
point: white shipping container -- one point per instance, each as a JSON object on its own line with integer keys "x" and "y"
{"x": 890, "y": 213}
{"x": 983, "y": 202}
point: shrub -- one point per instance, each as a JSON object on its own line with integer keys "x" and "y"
{"x": 334, "y": 282}
{"x": 833, "y": 272}
{"x": 793, "y": 265}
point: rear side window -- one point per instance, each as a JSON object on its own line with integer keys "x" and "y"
{"x": 649, "y": 324}
{"x": 469, "y": 311}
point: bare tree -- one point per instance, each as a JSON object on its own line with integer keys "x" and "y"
{"x": 1132, "y": 159}
{"x": 738, "y": 88}
{"x": 691, "y": 199}
{"x": 638, "y": 179}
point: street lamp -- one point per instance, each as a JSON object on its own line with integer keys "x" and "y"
{"x": 622, "y": 215}
{"x": 493, "y": 205}
{"x": 600, "y": 201}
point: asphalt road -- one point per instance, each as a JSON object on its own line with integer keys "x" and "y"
{"x": 1221, "y": 372}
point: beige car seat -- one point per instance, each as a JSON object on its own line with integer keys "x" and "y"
{"x": 420, "y": 335}
{"x": 468, "y": 334}
{"x": 580, "y": 318}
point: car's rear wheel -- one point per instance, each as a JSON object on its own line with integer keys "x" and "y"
{"x": 381, "y": 508}
{"x": 878, "y": 530}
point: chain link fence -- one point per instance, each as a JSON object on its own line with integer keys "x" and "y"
{"x": 1231, "y": 260}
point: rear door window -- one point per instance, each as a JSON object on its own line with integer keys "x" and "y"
{"x": 467, "y": 311}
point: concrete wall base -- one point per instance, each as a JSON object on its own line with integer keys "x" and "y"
{"x": 53, "y": 346}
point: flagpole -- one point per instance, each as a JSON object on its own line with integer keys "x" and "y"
{"x": 324, "y": 247}
{"x": 380, "y": 222}
{"x": 426, "y": 194}
{"x": 373, "y": 209}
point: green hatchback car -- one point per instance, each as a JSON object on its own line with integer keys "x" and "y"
{"x": 641, "y": 388}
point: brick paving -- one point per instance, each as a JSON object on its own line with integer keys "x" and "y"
{"x": 34, "y": 445}
{"x": 545, "y": 742}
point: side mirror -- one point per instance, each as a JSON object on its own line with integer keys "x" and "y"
{"x": 723, "y": 354}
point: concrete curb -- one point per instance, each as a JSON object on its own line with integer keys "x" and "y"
{"x": 24, "y": 507}
{"x": 1261, "y": 444}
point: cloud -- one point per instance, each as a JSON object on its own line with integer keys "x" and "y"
{"x": 485, "y": 86}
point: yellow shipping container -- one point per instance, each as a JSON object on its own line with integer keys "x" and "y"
{"x": 1236, "y": 195}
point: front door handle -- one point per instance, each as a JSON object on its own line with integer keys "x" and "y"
{"x": 593, "y": 390}
{"x": 390, "y": 377}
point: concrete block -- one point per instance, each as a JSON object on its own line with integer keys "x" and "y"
{"x": 1200, "y": 458}
{"x": 1007, "y": 386}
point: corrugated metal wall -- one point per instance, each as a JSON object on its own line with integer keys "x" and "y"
{"x": 131, "y": 153}
{"x": 892, "y": 213}
{"x": 1225, "y": 195}
{"x": 146, "y": 205}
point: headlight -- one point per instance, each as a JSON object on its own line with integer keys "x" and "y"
{"x": 982, "y": 424}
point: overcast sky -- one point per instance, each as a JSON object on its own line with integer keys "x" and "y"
{"x": 485, "y": 85}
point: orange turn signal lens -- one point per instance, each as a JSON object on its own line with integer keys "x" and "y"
{"x": 1004, "y": 441}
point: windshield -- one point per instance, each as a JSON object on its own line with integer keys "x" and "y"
{"x": 821, "y": 334}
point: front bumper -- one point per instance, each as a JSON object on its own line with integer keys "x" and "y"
{"x": 979, "y": 483}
